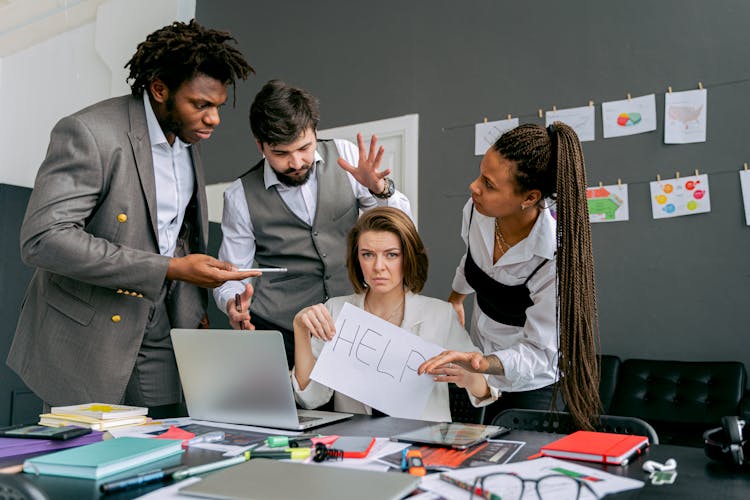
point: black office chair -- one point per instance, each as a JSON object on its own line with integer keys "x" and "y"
{"x": 461, "y": 408}
{"x": 562, "y": 423}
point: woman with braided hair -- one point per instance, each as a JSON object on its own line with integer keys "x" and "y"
{"x": 535, "y": 316}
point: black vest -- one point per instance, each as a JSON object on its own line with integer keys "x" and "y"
{"x": 505, "y": 304}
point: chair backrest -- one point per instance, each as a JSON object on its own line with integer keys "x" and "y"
{"x": 461, "y": 408}
{"x": 609, "y": 367}
{"x": 562, "y": 423}
{"x": 681, "y": 399}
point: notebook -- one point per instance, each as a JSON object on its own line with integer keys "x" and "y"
{"x": 104, "y": 458}
{"x": 601, "y": 447}
{"x": 100, "y": 411}
{"x": 241, "y": 377}
{"x": 272, "y": 479}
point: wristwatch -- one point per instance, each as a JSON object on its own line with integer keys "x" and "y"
{"x": 390, "y": 188}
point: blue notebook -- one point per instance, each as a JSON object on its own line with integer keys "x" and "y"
{"x": 104, "y": 458}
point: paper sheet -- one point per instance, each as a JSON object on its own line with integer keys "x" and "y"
{"x": 608, "y": 203}
{"x": 485, "y": 134}
{"x": 581, "y": 119}
{"x": 685, "y": 116}
{"x": 629, "y": 116}
{"x": 603, "y": 483}
{"x": 680, "y": 196}
{"x": 745, "y": 184}
{"x": 376, "y": 363}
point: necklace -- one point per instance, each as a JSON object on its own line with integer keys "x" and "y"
{"x": 391, "y": 315}
{"x": 499, "y": 240}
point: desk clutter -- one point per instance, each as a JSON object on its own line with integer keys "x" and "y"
{"x": 238, "y": 461}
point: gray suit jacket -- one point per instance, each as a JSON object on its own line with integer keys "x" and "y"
{"x": 91, "y": 231}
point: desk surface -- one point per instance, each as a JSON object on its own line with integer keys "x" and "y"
{"x": 698, "y": 477}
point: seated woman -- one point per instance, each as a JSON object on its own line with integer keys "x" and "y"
{"x": 387, "y": 266}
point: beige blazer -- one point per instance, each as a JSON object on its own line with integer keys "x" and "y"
{"x": 90, "y": 230}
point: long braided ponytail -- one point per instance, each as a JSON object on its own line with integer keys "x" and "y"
{"x": 551, "y": 160}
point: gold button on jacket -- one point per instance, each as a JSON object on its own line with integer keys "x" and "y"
{"x": 122, "y": 217}
{"x": 116, "y": 318}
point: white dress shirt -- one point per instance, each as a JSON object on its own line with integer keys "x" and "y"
{"x": 175, "y": 181}
{"x": 434, "y": 320}
{"x": 528, "y": 353}
{"x": 238, "y": 243}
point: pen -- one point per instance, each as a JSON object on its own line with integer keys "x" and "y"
{"x": 295, "y": 454}
{"x": 634, "y": 454}
{"x": 155, "y": 476}
{"x": 238, "y": 308}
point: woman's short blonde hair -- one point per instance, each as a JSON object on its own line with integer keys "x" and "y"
{"x": 391, "y": 220}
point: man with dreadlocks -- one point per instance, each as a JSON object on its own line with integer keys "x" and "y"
{"x": 117, "y": 229}
{"x": 535, "y": 315}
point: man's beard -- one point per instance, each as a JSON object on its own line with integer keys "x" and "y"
{"x": 290, "y": 181}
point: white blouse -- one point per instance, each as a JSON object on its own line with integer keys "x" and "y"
{"x": 528, "y": 353}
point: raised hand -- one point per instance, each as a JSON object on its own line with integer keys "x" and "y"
{"x": 366, "y": 172}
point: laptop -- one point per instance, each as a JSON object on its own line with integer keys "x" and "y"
{"x": 241, "y": 377}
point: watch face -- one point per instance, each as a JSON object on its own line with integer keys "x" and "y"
{"x": 416, "y": 462}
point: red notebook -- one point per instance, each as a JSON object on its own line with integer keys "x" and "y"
{"x": 602, "y": 447}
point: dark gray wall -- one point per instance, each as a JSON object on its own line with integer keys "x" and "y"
{"x": 671, "y": 289}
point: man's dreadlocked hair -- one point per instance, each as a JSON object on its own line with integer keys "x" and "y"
{"x": 176, "y": 53}
{"x": 551, "y": 161}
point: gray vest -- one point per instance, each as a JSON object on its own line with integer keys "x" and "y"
{"x": 315, "y": 255}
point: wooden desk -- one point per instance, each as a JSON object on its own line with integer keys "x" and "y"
{"x": 698, "y": 477}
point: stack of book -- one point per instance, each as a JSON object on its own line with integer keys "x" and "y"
{"x": 96, "y": 416}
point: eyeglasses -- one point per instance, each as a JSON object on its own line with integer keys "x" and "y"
{"x": 550, "y": 487}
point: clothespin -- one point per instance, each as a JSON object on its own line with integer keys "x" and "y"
{"x": 658, "y": 178}
{"x": 554, "y": 108}
{"x": 677, "y": 174}
{"x": 700, "y": 85}
{"x": 485, "y": 119}
{"x": 696, "y": 172}
{"x": 619, "y": 182}
{"x": 509, "y": 117}
{"x": 540, "y": 113}
{"x": 591, "y": 103}
{"x": 669, "y": 89}
{"x": 629, "y": 98}
{"x": 745, "y": 165}
{"x": 601, "y": 184}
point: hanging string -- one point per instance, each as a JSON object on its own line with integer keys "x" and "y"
{"x": 535, "y": 113}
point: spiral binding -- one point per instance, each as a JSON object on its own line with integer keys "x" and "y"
{"x": 322, "y": 452}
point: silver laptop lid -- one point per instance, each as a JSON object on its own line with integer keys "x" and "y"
{"x": 236, "y": 377}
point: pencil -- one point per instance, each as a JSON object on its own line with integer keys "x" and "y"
{"x": 238, "y": 308}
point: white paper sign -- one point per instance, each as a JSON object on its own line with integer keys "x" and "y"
{"x": 579, "y": 119}
{"x": 485, "y": 134}
{"x": 745, "y": 183}
{"x": 683, "y": 196}
{"x": 685, "y": 116}
{"x": 629, "y": 116}
{"x": 376, "y": 363}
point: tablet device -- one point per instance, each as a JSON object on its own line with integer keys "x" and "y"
{"x": 453, "y": 435}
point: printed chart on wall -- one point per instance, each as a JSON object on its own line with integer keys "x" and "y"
{"x": 629, "y": 116}
{"x": 685, "y": 116}
{"x": 580, "y": 119}
{"x": 680, "y": 196}
{"x": 608, "y": 203}
{"x": 745, "y": 183}
{"x": 485, "y": 134}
